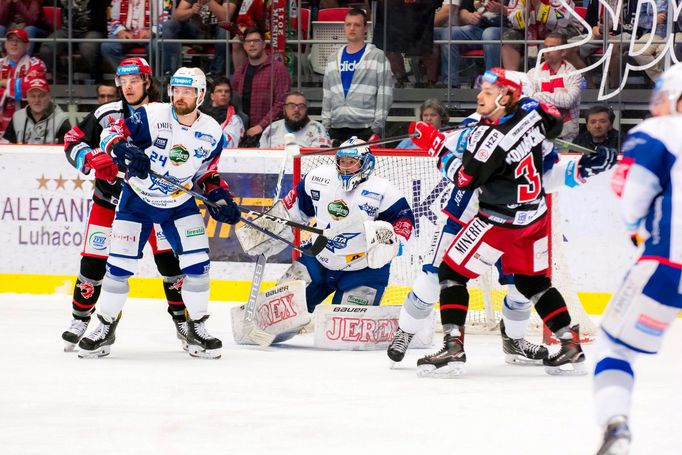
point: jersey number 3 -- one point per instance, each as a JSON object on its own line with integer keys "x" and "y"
{"x": 526, "y": 168}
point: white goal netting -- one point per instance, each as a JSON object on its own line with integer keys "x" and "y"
{"x": 427, "y": 192}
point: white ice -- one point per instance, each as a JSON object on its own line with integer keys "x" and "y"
{"x": 149, "y": 397}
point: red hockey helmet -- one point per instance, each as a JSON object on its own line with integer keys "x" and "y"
{"x": 132, "y": 65}
{"x": 505, "y": 79}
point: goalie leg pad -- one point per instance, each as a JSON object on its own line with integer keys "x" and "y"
{"x": 297, "y": 271}
{"x": 360, "y": 295}
{"x": 360, "y": 287}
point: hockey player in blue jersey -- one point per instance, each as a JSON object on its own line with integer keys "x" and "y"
{"x": 649, "y": 298}
{"x": 460, "y": 208}
{"x": 177, "y": 141}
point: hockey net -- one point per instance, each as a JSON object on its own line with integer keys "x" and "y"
{"x": 416, "y": 176}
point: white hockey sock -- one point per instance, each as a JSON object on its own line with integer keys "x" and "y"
{"x": 419, "y": 303}
{"x": 613, "y": 379}
{"x": 114, "y": 294}
{"x": 195, "y": 294}
{"x": 515, "y": 313}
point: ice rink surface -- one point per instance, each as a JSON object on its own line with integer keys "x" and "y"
{"x": 150, "y": 397}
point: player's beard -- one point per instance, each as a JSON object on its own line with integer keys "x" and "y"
{"x": 184, "y": 110}
{"x": 293, "y": 125}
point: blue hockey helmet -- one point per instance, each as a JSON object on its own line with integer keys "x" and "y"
{"x": 354, "y": 164}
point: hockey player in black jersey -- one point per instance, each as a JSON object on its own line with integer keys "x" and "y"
{"x": 136, "y": 88}
{"x": 502, "y": 155}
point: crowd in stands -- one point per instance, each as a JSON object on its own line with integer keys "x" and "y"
{"x": 252, "y": 96}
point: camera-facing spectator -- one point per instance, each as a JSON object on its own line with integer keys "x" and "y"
{"x": 433, "y": 112}
{"x": 89, "y": 21}
{"x": 556, "y": 82}
{"x": 15, "y": 67}
{"x": 308, "y": 132}
{"x": 106, "y": 93}
{"x": 244, "y": 15}
{"x": 195, "y": 19}
{"x": 224, "y": 110}
{"x": 357, "y": 90}
{"x": 42, "y": 121}
{"x": 262, "y": 82}
{"x": 26, "y": 15}
{"x": 599, "y": 123}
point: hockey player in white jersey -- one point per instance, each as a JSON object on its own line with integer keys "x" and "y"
{"x": 183, "y": 145}
{"x": 648, "y": 182}
{"x": 355, "y": 264}
{"x": 460, "y": 208}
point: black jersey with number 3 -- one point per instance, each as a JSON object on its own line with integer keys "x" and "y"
{"x": 506, "y": 161}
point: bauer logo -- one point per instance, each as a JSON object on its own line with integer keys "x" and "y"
{"x": 338, "y": 209}
{"x": 195, "y": 232}
{"x": 98, "y": 240}
{"x": 178, "y": 154}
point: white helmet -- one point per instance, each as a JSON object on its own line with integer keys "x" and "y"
{"x": 189, "y": 77}
{"x": 351, "y": 179}
{"x": 668, "y": 88}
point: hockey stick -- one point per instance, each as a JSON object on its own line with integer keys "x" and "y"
{"x": 314, "y": 250}
{"x": 571, "y": 146}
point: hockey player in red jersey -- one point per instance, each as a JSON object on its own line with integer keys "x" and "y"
{"x": 81, "y": 144}
{"x": 503, "y": 156}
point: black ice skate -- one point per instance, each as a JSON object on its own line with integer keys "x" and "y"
{"x": 448, "y": 362}
{"x": 616, "y": 437}
{"x": 570, "y": 359}
{"x": 200, "y": 342}
{"x": 181, "y": 328}
{"x": 521, "y": 351}
{"x": 399, "y": 344}
{"x": 74, "y": 333}
{"x": 98, "y": 342}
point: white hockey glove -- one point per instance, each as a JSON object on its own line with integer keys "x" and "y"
{"x": 254, "y": 242}
{"x": 382, "y": 243}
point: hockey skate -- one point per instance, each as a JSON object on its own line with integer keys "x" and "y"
{"x": 521, "y": 351}
{"x": 98, "y": 342}
{"x": 570, "y": 359}
{"x": 398, "y": 347}
{"x": 616, "y": 437}
{"x": 181, "y": 332}
{"x": 200, "y": 343}
{"x": 74, "y": 333}
{"x": 446, "y": 363}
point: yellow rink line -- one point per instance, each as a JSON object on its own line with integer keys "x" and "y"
{"x": 593, "y": 302}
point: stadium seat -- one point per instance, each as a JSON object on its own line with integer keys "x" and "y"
{"x": 326, "y": 29}
{"x": 332, "y": 14}
{"x": 53, "y": 16}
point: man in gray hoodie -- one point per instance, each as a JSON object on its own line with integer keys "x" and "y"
{"x": 358, "y": 85}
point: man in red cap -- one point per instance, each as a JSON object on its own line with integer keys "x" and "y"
{"x": 14, "y": 69}
{"x": 42, "y": 121}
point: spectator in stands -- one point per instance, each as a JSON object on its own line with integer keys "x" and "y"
{"x": 42, "y": 121}
{"x": 106, "y": 93}
{"x": 129, "y": 21}
{"x": 556, "y": 82}
{"x": 478, "y": 21}
{"x": 26, "y": 15}
{"x": 225, "y": 111}
{"x": 262, "y": 82}
{"x": 602, "y": 28}
{"x": 358, "y": 85}
{"x": 250, "y": 14}
{"x": 432, "y": 112}
{"x": 308, "y": 132}
{"x": 446, "y": 18}
{"x": 15, "y": 67}
{"x": 542, "y": 17}
{"x": 652, "y": 21}
{"x": 512, "y": 53}
{"x": 599, "y": 122}
{"x": 408, "y": 26}
{"x": 195, "y": 19}
{"x": 89, "y": 19}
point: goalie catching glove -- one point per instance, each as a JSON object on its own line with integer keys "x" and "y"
{"x": 382, "y": 243}
{"x": 254, "y": 242}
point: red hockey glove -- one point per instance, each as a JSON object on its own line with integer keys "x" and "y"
{"x": 232, "y": 28}
{"x": 427, "y": 138}
{"x": 103, "y": 164}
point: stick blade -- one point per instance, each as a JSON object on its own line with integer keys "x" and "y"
{"x": 318, "y": 245}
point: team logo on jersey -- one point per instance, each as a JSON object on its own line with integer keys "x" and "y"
{"x": 206, "y": 138}
{"x": 315, "y": 195}
{"x": 201, "y": 152}
{"x": 369, "y": 209}
{"x": 372, "y": 195}
{"x": 340, "y": 241}
{"x": 195, "y": 232}
{"x": 178, "y": 154}
{"x": 164, "y": 187}
{"x": 98, "y": 240}
{"x": 356, "y": 300}
{"x": 161, "y": 142}
{"x": 338, "y": 209}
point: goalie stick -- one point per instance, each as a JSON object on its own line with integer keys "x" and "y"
{"x": 317, "y": 246}
{"x": 255, "y": 334}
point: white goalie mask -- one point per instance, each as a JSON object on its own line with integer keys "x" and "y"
{"x": 668, "y": 89}
{"x": 354, "y": 165}
{"x": 189, "y": 77}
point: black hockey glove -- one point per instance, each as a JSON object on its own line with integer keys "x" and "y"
{"x": 130, "y": 156}
{"x": 227, "y": 212}
{"x": 602, "y": 160}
